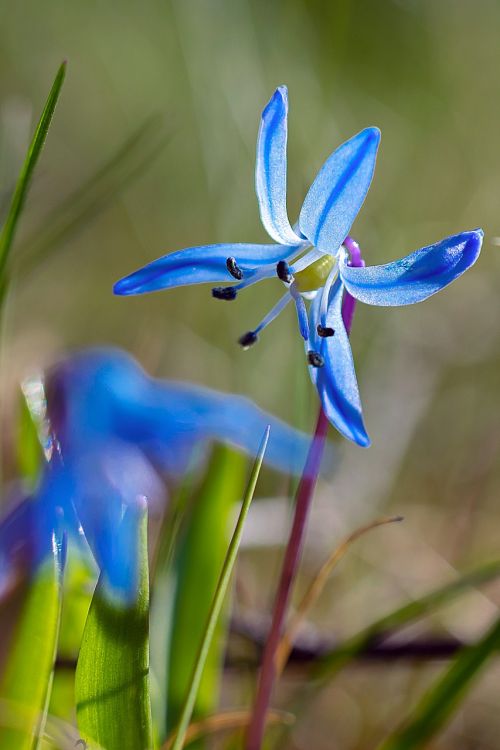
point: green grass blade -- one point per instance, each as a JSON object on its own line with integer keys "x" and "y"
{"x": 442, "y": 699}
{"x": 9, "y": 228}
{"x": 199, "y": 559}
{"x": 218, "y": 601}
{"x": 334, "y": 662}
{"x": 130, "y": 160}
{"x": 25, "y": 686}
{"x": 112, "y": 674}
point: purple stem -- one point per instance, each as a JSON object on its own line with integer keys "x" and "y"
{"x": 293, "y": 550}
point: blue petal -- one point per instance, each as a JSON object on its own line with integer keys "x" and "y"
{"x": 415, "y": 277}
{"x": 336, "y": 380}
{"x": 173, "y": 418}
{"x": 111, "y": 483}
{"x": 198, "y": 265}
{"x": 338, "y": 192}
{"x": 107, "y": 396}
{"x": 270, "y": 169}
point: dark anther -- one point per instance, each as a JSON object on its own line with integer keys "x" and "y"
{"x": 224, "y": 292}
{"x": 315, "y": 359}
{"x": 234, "y": 268}
{"x": 283, "y": 271}
{"x": 248, "y": 339}
{"x": 325, "y": 331}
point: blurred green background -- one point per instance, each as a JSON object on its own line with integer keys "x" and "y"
{"x": 427, "y": 74}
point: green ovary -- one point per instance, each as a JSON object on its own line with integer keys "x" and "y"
{"x": 314, "y": 276}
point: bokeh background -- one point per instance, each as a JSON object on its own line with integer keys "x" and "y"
{"x": 166, "y": 97}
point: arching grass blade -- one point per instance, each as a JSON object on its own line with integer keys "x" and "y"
{"x": 439, "y": 703}
{"x": 9, "y": 228}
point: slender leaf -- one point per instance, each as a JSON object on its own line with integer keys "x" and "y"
{"x": 25, "y": 687}
{"x": 380, "y": 629}
{"x": 317, "y": 585}
{"x": 112, "y": 674}
{"x": 439, "y": 703}
{"x": 217, "y": 602}
{"x": 8, "y": 231}
{"x": 198, "y": 566}
{"x": 331, "y": 664}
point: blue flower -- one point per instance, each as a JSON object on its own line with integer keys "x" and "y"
{"x": 115, "y": 433}
{"x": 313, "y": 261}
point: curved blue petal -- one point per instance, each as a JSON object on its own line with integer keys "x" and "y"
{"x": 170, "y": 419}
{"x": 198, "y": 265}
{"x": 106, "y": 395}
{"x": 338, "y": 192}
{"x": 270, "y": 169}
{"x": 336, "y": 380}
{"x": 415, "y": 277}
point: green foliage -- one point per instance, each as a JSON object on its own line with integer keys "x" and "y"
{"x": 25, "y": 688}
{"x": 9, "y": 228}
{"x": 439, "y": 703}
{"x": 334, "y": 662}
{"x": 217, "y": 602}
{"x": 199, "y": 561}
{"x": 112, "y": 675}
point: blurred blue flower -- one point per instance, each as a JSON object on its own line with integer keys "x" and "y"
{"x": 115, "y": 433}
{"x": 313, "y": 261}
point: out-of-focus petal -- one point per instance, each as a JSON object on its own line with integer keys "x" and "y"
{"x": 111, "y": 483}
{"x": 198, "y": 265}
{"x": 336, "y": 380}
{"x": 270, "y": 169}
{"x": 338, "y": 191}
{"x": 179, "y": 416}
{"x": 164, "y": 419}
{"x": 415, "y": 277}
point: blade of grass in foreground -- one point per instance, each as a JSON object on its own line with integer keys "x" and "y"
{"x": 9, "y": 228}
{"x": 112, "y": 675}
{"x": 198, "y": 568}
{"x": 218, "y": 601}
{"x": 442, "y": 699}
{"x": 25, "y": 687}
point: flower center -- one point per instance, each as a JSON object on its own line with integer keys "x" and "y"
{"x": 314, "y": 276}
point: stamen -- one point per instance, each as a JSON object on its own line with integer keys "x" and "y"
{"x": 300, "y": 306}
{"x": 325, "y": 331}
{"x": 315, "y": 359}
{"x": 272, "y": 314}
{"x": 234, "y": 268}
{"x": 248, "y": 339}
{"x": 283, "y": 271}
{"x": 224, "y": 292}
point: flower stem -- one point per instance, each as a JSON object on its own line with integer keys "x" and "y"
{"x": 293, "y": 551}
{"x": 290, "y": 565}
